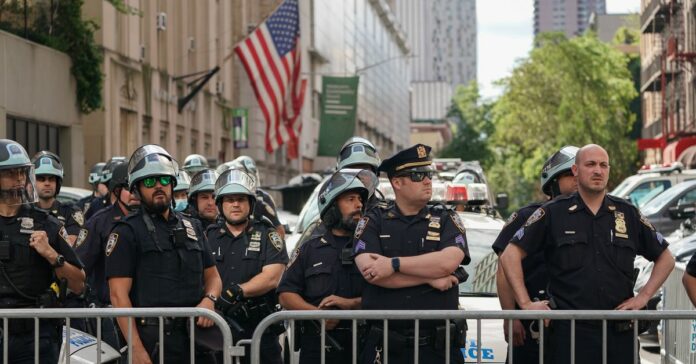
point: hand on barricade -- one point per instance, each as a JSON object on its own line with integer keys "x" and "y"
{"x": 538, "y": 305}
{"x": 634, "y": 303}
{"x": 203, "y": 321}
{"x": 333, "y": 302}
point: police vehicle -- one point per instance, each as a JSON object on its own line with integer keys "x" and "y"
{"x": 651, "y": 181}
{"x": 83, "y": 349}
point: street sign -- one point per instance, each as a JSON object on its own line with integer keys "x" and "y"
{"x": 339, "y": 105}
{"x": 240, "y": 128}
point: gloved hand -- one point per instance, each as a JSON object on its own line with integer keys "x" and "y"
{"x": 461, "y": 274}
{"x": 230, "y": 296}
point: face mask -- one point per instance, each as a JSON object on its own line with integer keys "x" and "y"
{"x": 180, "y": 205}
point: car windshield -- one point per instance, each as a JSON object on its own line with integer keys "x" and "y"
{"x": 483, "y": 264}
{"x": 664, "y": 198}
{"x": 310, "y": 211}
{"x": 619, "y": 190}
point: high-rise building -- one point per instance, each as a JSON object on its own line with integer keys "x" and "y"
{"x": 442, "y": 36}
{"x": 568, "y": 16}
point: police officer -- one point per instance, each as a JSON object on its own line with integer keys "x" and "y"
{"x": 556, "y": 179}
{"x": 250, "y": 256}
{"x": 265, "y": 206}
{"x": 94, "y": 176}
{"x": 407, "y": 252}
{"x": 689, "y": 279}
{"x": 195, "y": 163}
{"x": 91, "y": 244}
{"x": 322, "y": 274}
{"x": 201, "y": 199}
{"x": 49, "y": 177}
{"x": 34, "y": 253}
{"x": 155, "y": 257}
{"x": 183, "y": 182}
{"x": 357, "y": 153}
{"x": 105, "y": 199}
{"x": 590, "y": 240}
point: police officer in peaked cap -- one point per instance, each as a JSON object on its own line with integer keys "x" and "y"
{"x": 556, "y": 179}
{"x": 322, "y": 274}
{"x": 49, "y": 177}
{"x": 35, "y": 254}
{"x": 251, "y": 257}
{"x": 156, "y": 257}
{"x": 408, "y": 252}
{"x": 589, "y": 240}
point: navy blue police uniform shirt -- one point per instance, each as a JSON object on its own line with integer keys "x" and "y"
{"x": 387, "y": 232}
{"x": 91, "y": 247}
{"x": 691, "y": 266}
{"x": 26, "y": 269}
{"x": 165, "y": 273}
{"x": 265, "y": 206}
{"x": 535, "y": 276}
{"x": 240, "y": 258}
{"x": 69, "y": 215}
{"x": 590, "y": 257}
{"x": 97, "y": 204}
{"x": 317, "y": 271}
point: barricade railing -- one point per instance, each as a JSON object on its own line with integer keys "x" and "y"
{"x": 383, "y": 316}
{"x": 99, "y": 313}
{"x": 677, "y": 338}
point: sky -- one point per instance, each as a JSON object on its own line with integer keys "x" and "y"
{"x": 505, "y": 35}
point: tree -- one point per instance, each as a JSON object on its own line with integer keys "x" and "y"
{"x": 567, "y": 92}
{"x": 473, "y": 125}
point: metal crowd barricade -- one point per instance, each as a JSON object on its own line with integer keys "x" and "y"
{"x": 676, "y": 336}
{"x": 161, "y": 313}
{"x": 416, "y": 316}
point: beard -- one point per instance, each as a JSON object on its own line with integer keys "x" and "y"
{"x": 156, "y": 207}
{"x": 348, "y": 223}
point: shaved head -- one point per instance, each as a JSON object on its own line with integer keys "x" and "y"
{"x": 592, "y": 168}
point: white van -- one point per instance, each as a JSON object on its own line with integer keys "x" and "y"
{"x": 651, "y": 181}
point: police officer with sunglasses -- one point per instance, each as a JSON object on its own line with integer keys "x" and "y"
{"x": 156, "y": 257}
{"x": 407, "y": 251}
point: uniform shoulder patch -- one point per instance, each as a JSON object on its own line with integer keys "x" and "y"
{"x": 269, "y": 209}
{"x": 511, "y": 219}
{"x": 276, "y": 240}
{"x": 646, "y": 222}
{"x": 81, "y": 237}
{"x": 360, "y": 228}
{"x": 457, "y": 221}
{"x": 79, "y": 217}
{"x": 536, "y": 216}
{"x": 111, "y": 243}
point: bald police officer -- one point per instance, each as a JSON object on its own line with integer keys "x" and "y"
{"x": 590, "y": 240}
{"x": 407, "y": 251}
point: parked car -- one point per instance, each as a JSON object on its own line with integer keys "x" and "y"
{"x": 650, "y": 182}
{"x": 669, "y": 209}
{"x": 70, "y": 195}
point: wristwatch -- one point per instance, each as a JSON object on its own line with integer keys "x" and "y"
{"x": 59, "y": 262}
{"x": 396, "y": 264}
{"x": 211, "y": 297}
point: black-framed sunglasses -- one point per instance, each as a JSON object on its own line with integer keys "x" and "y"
{"x": 417, "y": 176}
{"x": 150, "y": 182}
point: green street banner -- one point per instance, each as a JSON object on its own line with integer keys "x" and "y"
{"x": 339, "y": 106}
{"x": 240, "y": 128}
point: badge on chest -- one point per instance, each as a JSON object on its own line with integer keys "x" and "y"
{"x": 620, "y": 225}
{"x": 190, "y": 231}
{"x": 255, "y": 242}
{"x": 26, "y": 225}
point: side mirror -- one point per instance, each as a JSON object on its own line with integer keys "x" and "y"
{"x": 287, "y": 229}
{"x": 502, "y": 201}
{"x": 673, "y": 212}
{"x": 687, "y": 212}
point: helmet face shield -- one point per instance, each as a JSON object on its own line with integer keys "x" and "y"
{"x": 47, "y": 163}
{"x": 150, "y": 161}
{"x": 358, "y": 151}
{"x": 557, "y": 164}
{"x": 345, "y": 180}
{"x": 183, "y": 181}
{"x": 18, "y": 186}
{"x": 234, "y": 181}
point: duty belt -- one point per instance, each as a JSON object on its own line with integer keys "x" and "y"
{"x": 167, "y": 322}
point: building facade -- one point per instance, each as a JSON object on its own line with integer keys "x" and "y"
{"x": 668, "y": 81}
{"x": 568, "y": 16}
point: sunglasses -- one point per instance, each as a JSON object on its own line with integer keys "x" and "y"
{"x": 150, "y": 182}
{"x": 417, "y": 176}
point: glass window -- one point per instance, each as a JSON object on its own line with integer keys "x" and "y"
{"x": 648, "y": 190}
{"x": 688, "y": 199}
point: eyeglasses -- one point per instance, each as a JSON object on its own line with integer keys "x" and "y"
{"x": 150, "y": 182}
{"x": 417, "y": 176}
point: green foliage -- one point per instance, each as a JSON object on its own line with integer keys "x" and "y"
{"x": 473, "y": 125}
{"x": 567, "y": 92}
{"x": 124, "y": 8}
{"x": 61, "y": 27}
{"x": 626, "y": 35}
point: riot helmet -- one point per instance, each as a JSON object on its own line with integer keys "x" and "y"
{"x": 235, "y": 182}
{"x": 183, "y": 182}
{"x": 362, "y": 180}
{"x": 48, "y": 164}
{"x": 95, "y": 173}
{"x": 203, "y": 181}
{"x": 358, "y": 151}
{"x": 119, "y": 176}
{"x": 195, "y": 163}
{"x": 249, "y": 166}
{"x": 107, "y": 171}
{"x": 150, "y": 160}
{"x": 15, "y": 163}
{"x": 559, "y": 163}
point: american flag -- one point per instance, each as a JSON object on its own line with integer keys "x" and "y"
{"x": 271, "y": 58}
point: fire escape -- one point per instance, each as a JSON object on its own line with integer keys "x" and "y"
{"x": 668, "y": 81}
